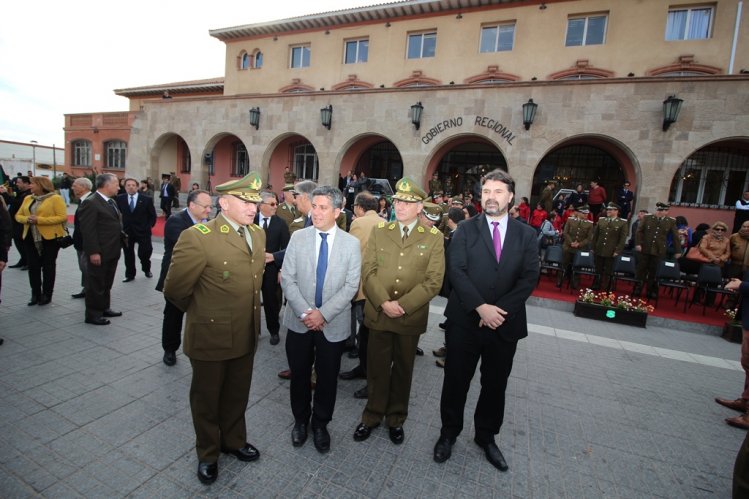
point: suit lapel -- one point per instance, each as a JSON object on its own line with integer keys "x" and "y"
{"x": 483, "y": 227}
{"x": 511, "y": 244}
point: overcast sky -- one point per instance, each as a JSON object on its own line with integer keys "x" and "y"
{"x": 61, "y": 57}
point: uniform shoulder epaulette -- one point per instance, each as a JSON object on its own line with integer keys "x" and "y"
{"x": 300, "y": 219}
{"x": 589, "y": 221}
{"x": 202, "y": 228}
{"x": 391, "y": 226}
{"x": 254, "y": 227}
{"x": 381, "y": 225}
{"x": 434, "y": 230}
{"x": 284, "y": 207}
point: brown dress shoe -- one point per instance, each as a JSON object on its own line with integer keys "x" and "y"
{"x": 741, "y": 405}
{"x": 739, "y": 421}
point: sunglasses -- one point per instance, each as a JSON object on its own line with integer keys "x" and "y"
{"x": 272, "y": 204}
{"x": 719, "y": 229}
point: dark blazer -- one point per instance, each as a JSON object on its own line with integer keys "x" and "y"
{"x": 6, "y": 230}
{"x": 169, "y": 190}
{"x": 77, "y": 236}
{"x": 101, "y": 228}
{"x": 277, "y": 238}
{"x": 476, "y": 277}
{"x": 172, "y": 229}
{"x": 137, "y": 223}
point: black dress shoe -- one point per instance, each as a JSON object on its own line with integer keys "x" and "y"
{"x": 247, "y": 453}
{"x": 443, "y": 449}
{"x": 98, "y": 321}
{"x": 274, "y": 338}
{"x": 34, "y": 301}
{"x": 285, "y": 374}
{"x": 207, "y": 472}
{"x": 170, "y": 358}
{"x": 361, "y": 393}
{"x": 493, "y": 455}
{"x": 24, "y": 267}
{"x": 353, "y": 353}
{"x": 362, "y": 432}
{"x": 44, "y": 300}
{"x": 148, "y": 274}
{"x": 128, "y": 279}
{"x": 321, "y": 438}
{"x": 82, "y": 294}
{"x": 396, "y": 434}
{"x": 16, "y": 266}
{"x": 419, "y": 351}
{"x": 111, "y": 313}
{"x": 353, "y": 374}
{"x": 299, "y": 434}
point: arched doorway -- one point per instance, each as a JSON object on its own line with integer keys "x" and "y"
{"x": 460, "y": 164}
{"x": 171, "y": 156}
{"x": 581, "y": 160}
{"x": 374, "y": 156}
{"x": 292, "y": 157}
{"x": 225, "y": 158}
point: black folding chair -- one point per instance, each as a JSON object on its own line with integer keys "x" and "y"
{"x": 552, "y": 261}
{"x": 624, "y": 270}
{"x": 668, "y": 275}
{"x": 583, "y": 264}
{"x": 710, "y": 280}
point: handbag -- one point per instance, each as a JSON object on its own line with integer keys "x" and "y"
{"x": 695, "y": 255}
{"x": 64, "y": 241}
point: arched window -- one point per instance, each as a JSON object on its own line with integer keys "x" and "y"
{"x": 81, "y": 153}
{"x": 258, "y": 62}
{"x": 240, "y": 160}
{"x": 716, "y": 175}
{"x": 245, "y": 61}
{"x": 305, "y": 161}
{"x": 116, "y": 151}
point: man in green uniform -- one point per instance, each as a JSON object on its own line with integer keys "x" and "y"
{"x": 577, "y": 234}
{"x": 547, "y": 196}
{"x": 215, "y": 277}
{"x": 287, "y": 210}
{"x": 402, "y": 270}
{"x": 609, "y": 238}
{"x": 435, "y": 184}
{"x": 650, "y": 242}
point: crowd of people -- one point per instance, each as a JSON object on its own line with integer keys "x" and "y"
{"x": 338, "y": 280}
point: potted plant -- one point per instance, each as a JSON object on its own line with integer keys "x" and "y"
{"x": 605, "y": 306}
{"x": 732, "y": 330}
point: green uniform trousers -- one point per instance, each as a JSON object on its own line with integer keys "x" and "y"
{"x": 390, "y": 366}
{"x": 218, "y": 400}
{"x": 741, "y": 472}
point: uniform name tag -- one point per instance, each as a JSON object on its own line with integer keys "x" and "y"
{"x": 626, "y": 259}
{"x": 669, "y": 264}
{"x": 584, "y": 253}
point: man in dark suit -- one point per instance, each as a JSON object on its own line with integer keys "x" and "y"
{"x": 276, "y": 239}
{"x": 493, "y": 268}
{"x": 82, "y": 190}
{"x": 101, "y": 228}
{"x": 167, "y": 194}
{"x": 624, "y": 198}
{"x": 138, "y": 217}
{"x": 198, "y": 209}
{"x": 23, "y": 188}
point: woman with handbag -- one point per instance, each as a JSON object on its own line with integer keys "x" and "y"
{"x": 43, "y": 215}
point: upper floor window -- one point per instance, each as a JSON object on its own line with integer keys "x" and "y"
{"x": 116, "y": 151}
{"x": 356, "y": 51}
{"x": 300, "y": 56}
{"x": 245, "y": 64}
{"x": 81, "y": 153}
{"x": 589, "y": 30}
{"x": 689, "y": 24}
{"x": 258, "y": 63}
{"x": 240, "y": 160}
{"x": 422, "y": 45}
{"x": 498, "y": 38}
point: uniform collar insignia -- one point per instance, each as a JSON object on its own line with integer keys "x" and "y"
{"x": 224, "y": 229}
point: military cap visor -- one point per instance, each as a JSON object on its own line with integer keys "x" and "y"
{"x": 432, "y": 211}
{"x": 612, "y": 206}
{"x": 662, "y": 206}
{"x": 246, "y": 188}
{"x": 407, "y": 190}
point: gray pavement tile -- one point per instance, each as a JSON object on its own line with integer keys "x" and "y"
{"x": 159, "y": 486}
{"x": 92, "y": 405}
{"x": 80, "y": 447}
{"x": 31, "y": 473}
{"x": 125, "y": 423}
{"x": 61, "y": 489}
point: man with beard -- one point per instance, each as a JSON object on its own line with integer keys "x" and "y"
{"x": 493, "y": 268}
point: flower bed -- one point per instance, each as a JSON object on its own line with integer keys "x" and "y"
{"x": 620, "y": 309}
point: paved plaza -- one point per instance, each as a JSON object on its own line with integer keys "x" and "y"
{"x": 593, "y": 410}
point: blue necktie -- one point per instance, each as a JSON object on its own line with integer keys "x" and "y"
{"x": 132, "y": 204}
{"x": 322, "y": 267}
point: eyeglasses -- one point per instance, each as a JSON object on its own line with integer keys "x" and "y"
{"x": 271, "y": 204}
{"x": 210, "y": 206}
{"x": 719, "y": 229}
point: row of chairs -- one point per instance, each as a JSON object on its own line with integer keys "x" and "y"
{"x": 706, "y": 284}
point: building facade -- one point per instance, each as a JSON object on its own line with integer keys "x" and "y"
{"x": 24, "y": 157}
{"x": 418, "y": 87}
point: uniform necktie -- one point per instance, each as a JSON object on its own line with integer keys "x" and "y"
{"x": 240, "y": 231}
{"x": 405, "y": 234}
{"x": 497, "y": 239}
{"x": 132, "y": 204}
{"x": 322, "y": 267}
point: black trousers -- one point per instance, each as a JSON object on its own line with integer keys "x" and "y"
{"x": 42, "y": 267}
{"x": 303, "y": 350}
{"x": 218, "y": 400}
{"x": 18, "y": 241}
{"x": 271, "y": 298}
{"x": 166, "y": 206}
{"x": 171, "y": 327}
{"x": 465, "y": 346}
{"x": 647, "y": 265}
{"x": 145, "y": 249}
{"x": 99, "y": 280}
